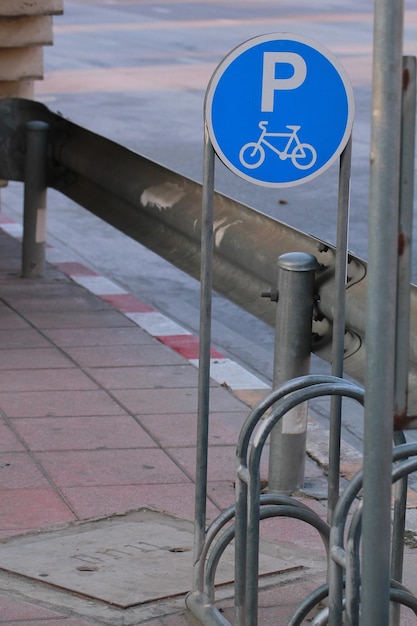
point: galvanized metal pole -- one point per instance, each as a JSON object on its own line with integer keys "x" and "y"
{"x": 204, "y": 359}
{"x": 291, "y": 359}
{"x": 405, "y": 229}
{"x": 339, "y": 322}
{"x": 34, "y": 201}
{"x": 381, "y": 309}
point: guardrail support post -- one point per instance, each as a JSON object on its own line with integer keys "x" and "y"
{"x": 292, "y": 359}
{"x": 34, "y": 202}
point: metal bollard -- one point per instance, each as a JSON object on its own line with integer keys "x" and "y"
{"x": 292, "y": 359}
{"x": 34, "y": 202}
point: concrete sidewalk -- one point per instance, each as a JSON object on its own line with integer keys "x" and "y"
{"x": 98, "y": 399}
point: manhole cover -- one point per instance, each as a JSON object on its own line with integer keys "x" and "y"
{"x": 123, "y": 561}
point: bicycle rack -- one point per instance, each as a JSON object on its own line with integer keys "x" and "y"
{"x": 347, "y": 559}
{"x": 241, "y": 521}
{"x": 251, "y": 506}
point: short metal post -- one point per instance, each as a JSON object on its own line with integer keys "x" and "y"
{"x": 34, "y": 203}
{"x": 292, "y": 359}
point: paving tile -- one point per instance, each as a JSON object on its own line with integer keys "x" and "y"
{"x": 176, "y": 499}
{"x": 74, "y": 268}
{"x": 222, "y": 493}
{"x": 15, "y": 532}
{"x": 116, "y": 356}
{"x": 33, "y": 295}
{"x": 33, "y": 358}
{"x": 184, "y": 618}
{"x": 83, "y": 433}
{"x": 150, "y": 401}
{"x": 8, "y": 440}
{"x": 9, "y": 320}
{"x": 186, "y": 345}
{"x": 14, "y": 609}
{"x": 277, "y": 603}
{"x": 126, "y": 302}
{"x": 180, "y": 430}
{"x": 51, "y": 298}
{"x": 22, "y": 338}
{"x": 318, "y": 506}
{"x": 79, "y": 319}
{"x": 18, "y": 471}
{"x": 292, "y": 531}
{"x": 57, "y": 621}
{"x": 221, "y": 461}
{"x": 45, "y": 380}
{"x": 98, "y": 336}
{"x": 32, "y": 509}
{"x": 158, "y": 401}
{"x": 111, "y": 467}
{"x": 58, "y": 403}
{"x": 20, "y": 290}
{"x": 150, "y": 377}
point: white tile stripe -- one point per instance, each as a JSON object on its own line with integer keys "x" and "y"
{"x": 98, "y": 285}
{"x": 14, "y": 230}
{"x": 157, "y": 324}
{"x": 236, "y": 376}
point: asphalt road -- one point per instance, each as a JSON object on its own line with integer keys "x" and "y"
{"x": 136, "y": 71}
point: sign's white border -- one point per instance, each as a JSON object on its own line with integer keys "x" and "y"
{"x": 234, "y": 54}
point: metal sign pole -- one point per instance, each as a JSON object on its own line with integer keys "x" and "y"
{"x": 381, "y": 309}
{"x": 405, "y": 233}
{"x": 405, "y": 229}
{"x": 204, "y": 358}
{"x": 339, "y": 321}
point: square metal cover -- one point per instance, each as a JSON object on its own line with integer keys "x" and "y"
{"x": 124, "y": 561}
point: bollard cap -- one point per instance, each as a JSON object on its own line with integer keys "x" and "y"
{"x": 37, "y": 125}
{"x": 298, "y": 262}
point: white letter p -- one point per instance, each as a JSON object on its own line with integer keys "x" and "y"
{"x": 270, "y": 84}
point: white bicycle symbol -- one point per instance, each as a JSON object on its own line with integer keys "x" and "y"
{"x": 303, "y": 155}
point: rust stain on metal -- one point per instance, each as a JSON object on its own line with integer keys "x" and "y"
{"x": 401, "y": 243}
{"x": 406, "y": 78}
{"x": 402, "y": 421}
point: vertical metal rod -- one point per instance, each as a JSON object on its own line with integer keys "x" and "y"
{"x": 405, "y": 229}
{"x": 408, "y": 129}
{"x": 291, "y": 359}
{"x": 381, "y": 309}
{"x": 339, "y": 320}
{"x": 398, "y": 530}
{"x": 204, "y": 359}
{"x": 34, "y": 200}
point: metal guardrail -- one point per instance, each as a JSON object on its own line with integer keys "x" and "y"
{"x": 162, "y": 210}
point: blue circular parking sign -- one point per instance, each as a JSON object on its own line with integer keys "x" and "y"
{"x": 279, "y": 110}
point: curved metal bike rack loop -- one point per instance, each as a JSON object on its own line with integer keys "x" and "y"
{"x": 251, "y": 507}
{"x": 340, "y": 558}
{"x": 334, "y": 386}
{"x": 348, "y": 559}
